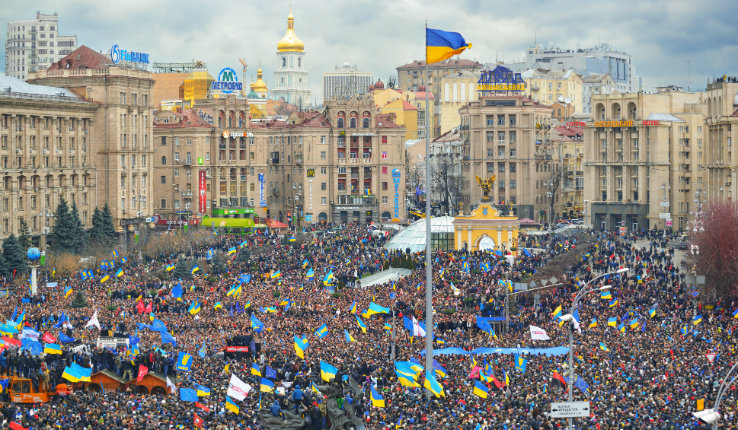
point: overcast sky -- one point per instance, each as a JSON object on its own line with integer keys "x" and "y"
{"x": 669, "y": 40}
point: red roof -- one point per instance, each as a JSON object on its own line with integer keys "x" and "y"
{"x": 421, "y": 95}
{"x": 385, "y": 121}
{"x": 407, "y": 106}
{"x": 569, "y": 131}
{"x": 82, "y": 58}
{"x": 187, "y": 119}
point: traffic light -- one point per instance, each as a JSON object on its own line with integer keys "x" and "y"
{"x": 289, "y": 216}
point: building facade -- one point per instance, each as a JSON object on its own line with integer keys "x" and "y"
{"x": 35, "y": 44}
{"x": 596, "y": 83}
{"x": 642, "y": 155}
{"x": 457, "y": 89}
{"x": 345, "y": 82}
{"x": 720, "y": 165}
{"x": 599, "y": 59}
{"x": 411, "y": 77}
{"x": 568, "y": 144}
{"x": 509, "y": 137}
{"x": 46, "y": 154}
{"x": 290, "y": 76}
{"x": 120, "y": 141}
{"x": 554, "y": 86}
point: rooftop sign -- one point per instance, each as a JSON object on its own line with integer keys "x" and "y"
{"x": 227, "y": 81}
{"x": 117, "y": 55}
{"x": 500, "y": 80}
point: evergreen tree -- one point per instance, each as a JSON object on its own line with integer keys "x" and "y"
{"x": 14, "y": 255}
{"x": 107, "y": 228}
{"x": 24, "y": 235}
{"x": 182, "y": 270}
{"x": 79, "y": 300}
{"x": 242, "y": 256}
{"x": 217, "y": 265}
{"x": 95, "y": 235}
{"x": 62, "y": 237}
{"x": 80, "y": 236}
{"x": 4, "y": 268}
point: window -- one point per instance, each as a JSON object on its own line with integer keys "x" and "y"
{"x": 176, "y": 173}
{"x": 323, "y": 201}
{"x": 384, "y": 155}
{"x": 365, "y": 123}
{"x": 163, "y": 160}
{"x": 384, "y": 139}
{"x": 384, "y": 170}
{"x": 490, "y": 167}
{"x": 501, "y": 167}
{"x": 323, "y": 170}
{"x": 163, "y": 141}
{"x": 352, "y": 123}
{"x": 384, "y": 199}
{"x": 163, "y": 203}
{"x": 163, "y": 179}
{"x": 143, "y": 160}
{"x": 339, "y": 123}
{"x": 513, "y": 183}
{"x": 322, "y": 155}
{"x": 513, "y": 167}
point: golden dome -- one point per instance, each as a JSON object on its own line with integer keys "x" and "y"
{"x": 290, "y": 42}
{"x": 259, "y": 85}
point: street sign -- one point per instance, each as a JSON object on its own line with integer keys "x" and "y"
{"x": 665, "y": 204}
{"x": 668, "y": 223}
{"x": 664, "y": 215}
{"x": 569, "y": 409}
{"x": 710, "y": 356}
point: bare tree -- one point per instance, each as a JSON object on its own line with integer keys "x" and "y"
{"x": 392, "y": 82}
{"x": 447, "y": 182}
{"x": 718, "y": 248}
{"x": 553, "y": 184}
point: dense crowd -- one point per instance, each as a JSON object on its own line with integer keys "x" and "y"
{"x": 648, "y": 371}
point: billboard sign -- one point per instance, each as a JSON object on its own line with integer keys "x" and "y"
{"x": 203, "y": 192}
{"x": 227, "y": 81}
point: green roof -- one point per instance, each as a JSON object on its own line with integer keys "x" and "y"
{"x": 227, "y": 222}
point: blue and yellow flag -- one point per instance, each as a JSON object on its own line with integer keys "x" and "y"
{"x": 604, "y": 347}
{"x": 612, "y": 321}
{"x": 104, "y": 278}
{"x": 169, "y": 267}
{"x": 348, "y": 336}
{"x": 232, "y": 250}
{"x": 194, "y": 269}
{"x": 557, "y": 312}
{"x": 115, "y": 253}
{"x": 276, "y": 274}
{"x": 480, "y": 390}
{"x": 605, "y": 295}
{"x": 184, "y": 362}
{"x": 376, "y": 309}
{"x": 327, "y": 372}
{"x": 310, "y": 274}
{"x": 361, "y": 324}
{"x": 231, "y": 406}
{"x": 697, "y": 319}
{"x": 376, "y": 398}
{"x": 52, "y": 348}
{"x": 194, "y": 308}
{"x": 521, "y": 363}
{"x": 119, "y": 273}
{"x": 328, "y": 279}
{"x": 432, "y": 385}
{"x": 266, "y": 386}
{"x": 255, "y": 369}
{"x": 322, "y": 331}
{"x": 300, "y": 346}
{"x": 218, "y": 305}
{"x": 593, "y": 324}
{"x": 613, "y": 303}
{"x": 353, "y": 307}
{"x": 67, "y": 292}
{"x": 652, "y": 312}
{"x": 203, "y": 391}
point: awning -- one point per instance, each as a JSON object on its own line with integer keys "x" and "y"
{"x": 272, "y": 223}
{"x": 227, "y": 222}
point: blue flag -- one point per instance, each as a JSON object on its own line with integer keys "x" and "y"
{"x": 271, "y": 373}
{"x": 187, "y": 395}
{"x": 167, "y": 338}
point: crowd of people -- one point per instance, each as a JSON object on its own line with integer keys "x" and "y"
{"x": 647, "y": 371}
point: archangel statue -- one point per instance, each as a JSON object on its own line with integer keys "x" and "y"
{"x": 486, "y": 186}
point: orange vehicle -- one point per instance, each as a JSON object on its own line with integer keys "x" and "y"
{"x": 21, "y": 390}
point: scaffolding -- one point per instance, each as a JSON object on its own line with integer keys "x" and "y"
{"x": 178, "y": 67}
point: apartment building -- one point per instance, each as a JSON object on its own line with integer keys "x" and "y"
{"x": 509, "y": 137}
{"x": 35, "y": 44}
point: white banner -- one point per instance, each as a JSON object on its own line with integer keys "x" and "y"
{"x": 537, "y": 333}
{"x": 237, "y": 388}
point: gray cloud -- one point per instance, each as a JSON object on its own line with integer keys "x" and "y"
{"x": 380, "y": 35}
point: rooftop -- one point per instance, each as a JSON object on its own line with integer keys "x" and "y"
{"x": 413, "y": 236}
{"x": 451, "y": 63}
{"x": 19, "y": 88}
{"x": 82, "y": 58}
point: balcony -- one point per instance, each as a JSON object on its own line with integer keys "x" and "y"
{"x": 298, "y": 159}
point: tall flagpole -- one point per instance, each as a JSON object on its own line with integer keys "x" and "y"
{"x": 428, "y": 250}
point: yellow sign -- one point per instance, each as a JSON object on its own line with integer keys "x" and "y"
{"x": 500, "y": 87}
{"x": 614, "y": 123}
{"x": 310, "y": 173}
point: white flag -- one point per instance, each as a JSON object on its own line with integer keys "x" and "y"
{"x": 93, "y": 321}
{"x": 29, "y": 333}
{"x": 171, "y": 385}
{"x": 537, "y": 333}
{"x": 237, "y": 388}
{"x": 417, "y": 329}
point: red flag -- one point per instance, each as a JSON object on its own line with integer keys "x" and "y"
{"x": 142, "y": 371}
{"x": 197, "y": 421}
{"x": 140, "y": 307}
{"x": 203, "y": 407}
{"x": 10, "y": 341}
{"x": 48, "y": 338}
{"x": 15, "y": 426}
{"x": 149, "y": 308}
{"x": 559, "y": 378}
{"x": 498, "y": 384}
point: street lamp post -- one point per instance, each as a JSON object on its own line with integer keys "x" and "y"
{"x": 588, "y": 288}
{"x": 712, "y": 416}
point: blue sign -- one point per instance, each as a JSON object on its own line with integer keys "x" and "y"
{"x": 262, "y": 201}
{"x": 227, "y": 81}
{"x": 118, "y": 55}
{"x": 500, "y": 80}
{"x": 396, "y": 180}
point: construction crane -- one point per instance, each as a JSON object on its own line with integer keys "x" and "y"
{"x": 245, "y": 66}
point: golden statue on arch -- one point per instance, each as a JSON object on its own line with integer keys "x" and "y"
{"x": 486, "y": 185}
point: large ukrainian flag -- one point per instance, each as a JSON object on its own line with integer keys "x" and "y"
{"x": 440, "y": 45}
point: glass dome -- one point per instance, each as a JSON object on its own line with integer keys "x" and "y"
{"x": 413, "y": 236}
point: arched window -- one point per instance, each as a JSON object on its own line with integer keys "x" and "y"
{"x": 352, "y": 123}
{"x": 299, "y": 62}
{"x": 220, "y": 122}
{"x": 163, "y": 160}
{"x": 365, "y": 123}
{"x": 340, "y": 123}
{"x": 284, "y": 62}
{"x": 230, "y": 121}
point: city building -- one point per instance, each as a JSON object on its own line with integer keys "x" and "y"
{"x": 411, "y": 77}
{"x": 552, "y": 86}
{"x": 643, "y": 159}
{"x": 457, "y": 89}
{"x": 595, "y": 83}
{"x": 599, "y": 59}
{"x": 447, "y": 176}
{"x": 290, "y": 76}
{"x": 419, "y": 102}
{"x": 345, "y": 82}
{"x": 35, "y": 44}
{"x": 120, "y": 147}
{"x": 720, "y": 161}
{"x": 568, "y": 143}
{"x": 508, "y": 136}
{"x": 46, "y": 153}
{"x": 399, "y": 104}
